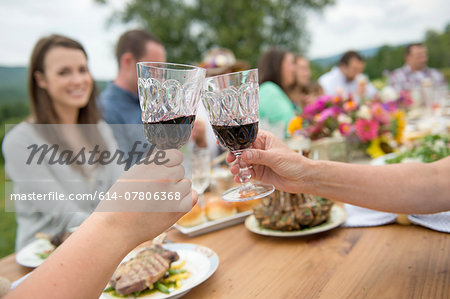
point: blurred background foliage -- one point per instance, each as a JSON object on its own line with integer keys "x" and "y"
{"x": 246, "y": 27}
{"x": 386, "y": 58}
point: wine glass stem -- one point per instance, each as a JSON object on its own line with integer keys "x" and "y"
{"x": 244, "y": 173}
{"x": 201, "y": 200}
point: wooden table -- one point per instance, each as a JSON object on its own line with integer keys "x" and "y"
{"x": 391, "y": 261}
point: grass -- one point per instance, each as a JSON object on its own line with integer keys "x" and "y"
{"x": 7, "y": 222}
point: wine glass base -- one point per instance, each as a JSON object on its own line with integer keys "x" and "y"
{"x": 257, "y": 191}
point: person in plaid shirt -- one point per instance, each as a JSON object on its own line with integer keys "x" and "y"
{"x": 415, "y": 70}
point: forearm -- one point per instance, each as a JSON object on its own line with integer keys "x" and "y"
{"x": 81, "y": 266}
{"x": 402, "y": 188}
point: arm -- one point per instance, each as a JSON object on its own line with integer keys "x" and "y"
{"x": 403, "y": 188}
{"x": 84, "y": 263}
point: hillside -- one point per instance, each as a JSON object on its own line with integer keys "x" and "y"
{"x": 13, "y": 84}
{"x": 332, "y": 60}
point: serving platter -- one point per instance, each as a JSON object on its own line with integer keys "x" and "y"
{"x": 209, "y": 226}
{"x": 337, "y": 217}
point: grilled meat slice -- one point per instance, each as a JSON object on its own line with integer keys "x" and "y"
{"x": 287, "y": 212}
{"x": 171, "y": 256}
{"x": 144, "y": 270}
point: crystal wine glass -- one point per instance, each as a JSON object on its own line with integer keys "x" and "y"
{"x": 232, "y": 104}
{"x": 169, "y": 95}
{"x": 201, "y": 171}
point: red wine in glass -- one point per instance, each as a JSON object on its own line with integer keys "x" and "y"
{"x": 236, "y": 138}
{"x": 169, "y": 134}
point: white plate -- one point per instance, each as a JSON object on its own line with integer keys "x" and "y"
{"x": 201, "y": 262}
{"x": 337, "y": 217}
{"x": 382, "y": 159}
{"x": 209, "y": 226}
{"x": 28, "y": 257}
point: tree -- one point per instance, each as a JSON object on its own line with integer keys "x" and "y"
{"x": 438, "y": 45}
{"x": 387, "y": 58}
{"x": 390, "y": 58}
{"x": 188, "y": 28}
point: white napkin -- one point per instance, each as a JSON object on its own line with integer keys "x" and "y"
{"x": 361, "y": 217}
{"x": 14, "y": 284}
{"x": 439, "y": 221}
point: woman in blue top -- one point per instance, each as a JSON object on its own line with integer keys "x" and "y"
{"x": 276, "y": 77}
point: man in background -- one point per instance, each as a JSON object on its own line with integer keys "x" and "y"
{"x": 415, "y": 71}
{"x": 120, "y": 102}
{"x": 347, "y": 78}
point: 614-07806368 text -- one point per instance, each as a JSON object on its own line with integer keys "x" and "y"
{"x": 107, "y": 196}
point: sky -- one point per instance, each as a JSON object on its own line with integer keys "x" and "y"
{"x": 349, "y": 24}
{"x": 361, "y": 24}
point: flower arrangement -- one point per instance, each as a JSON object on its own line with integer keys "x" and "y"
{"x": 375, "y": 125}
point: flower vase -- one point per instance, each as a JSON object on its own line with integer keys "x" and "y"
{"x": 329, "y": 148}
{"x": 356, "y": 151}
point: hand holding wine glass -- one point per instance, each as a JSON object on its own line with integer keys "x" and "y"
{"x": 275, "y": 163}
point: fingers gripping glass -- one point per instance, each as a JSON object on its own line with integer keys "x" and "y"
{"x": 169, "y": 95}
{"x": 232, "y": 104}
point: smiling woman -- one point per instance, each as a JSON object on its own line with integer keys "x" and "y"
{"x": 67, "y": 81}
{"x": 64, "y": 113}
{"x": 60, "y": 84}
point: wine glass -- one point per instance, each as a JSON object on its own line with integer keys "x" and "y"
{"x": 169, "y": 95}
{"x": 201, "y": 171}
{"x": 232, "y": 104}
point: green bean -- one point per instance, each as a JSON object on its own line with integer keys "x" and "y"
{"x": 176, "y": 271}
{"x": 162, "y": 288}
{"x": 109, "y": 289}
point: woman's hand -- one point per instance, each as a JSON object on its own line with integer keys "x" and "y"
{"x": 149, "y": 199}
{"x": 275, "y": 163}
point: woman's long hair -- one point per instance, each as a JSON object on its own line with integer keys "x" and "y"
{"x": 42, "y": 109}
{"x": 269, "y": 66}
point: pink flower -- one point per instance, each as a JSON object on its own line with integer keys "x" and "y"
{"x": 390, "y": 106}
{"x": 345, "y": 129}
{"x": 317, "y": 107}
{"x": 379, "y": 113}
{"x": 336, "y": 110}
{"x": 309, "y": 111}
{"x": 324, "y": 99}
{"x": 366, "y": 129}
{"x": 325, "y": 114}
{"x": 405, "y": 98}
